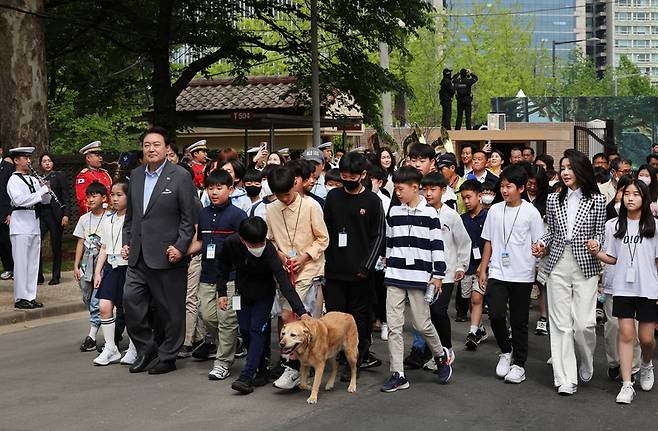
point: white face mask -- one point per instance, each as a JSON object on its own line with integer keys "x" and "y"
{"x": 487, "y": 199}
{"x": 265, "y": 189}
{"x": 257, "y": 251}
{"x": 645, "y": 180}
{"x": 551, "y": 183}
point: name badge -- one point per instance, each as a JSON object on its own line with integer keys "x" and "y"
{"x": 292, "y": 253}
{"x": 505, "y": 259}
{"x": 210, "y": 251}
{"x": 342, "y": 239}
{"x": 409, "y": 260}
{"x": 476, "y": 254}
{"x": 630, "y": 274}
{"x": 112, "y": 260}
{"x": 235, "y": 303}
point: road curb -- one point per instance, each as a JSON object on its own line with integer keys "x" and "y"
{"x": 21, "y": 316}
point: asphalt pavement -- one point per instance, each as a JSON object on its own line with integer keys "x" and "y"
{"x": 47, "y": 384}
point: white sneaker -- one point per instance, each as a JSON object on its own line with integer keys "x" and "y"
{"x": 384, "y": 333}
{"x": 516, "y": 374}
{"x": 219, "y": 372}
{"x": 626, "y": 394}
{"x": 288, "y": 380}
{"x": 585, "y": 373}
{"x": 130, "y": 357}
{"x": 646, "y": 376}
{"x": 6, "y": 275}
{"x": 108, "y": 356}
{"x": 430, "y": 365}
{"x": 504, "y": 363}
{"x": 567, "y": 389}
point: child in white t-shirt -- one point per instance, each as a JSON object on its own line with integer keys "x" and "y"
{"x": 633, "y": 249}
{"x": 511, "y": 229}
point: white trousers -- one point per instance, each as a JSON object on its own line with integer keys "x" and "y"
{"x": 572, "y": 317}
{"x": 611, "y": 338}
{"x": 26, "y": 250}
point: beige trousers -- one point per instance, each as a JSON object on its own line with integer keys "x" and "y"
{"x": 194, "y": 330}
{"x": 572, "y": 317}
{"x": 420, "y": 315}
{"x": 221, "y": 324}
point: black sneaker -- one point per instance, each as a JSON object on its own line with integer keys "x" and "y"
{"x": 471, "y": 342}
{"x": 481, "y": 334}
{"x": 346, "y": 374}
{"x": 262, "y": 377}
{"x": 205, "y": 351}
{"x": 542, "y": 327}
{"x": 185, "y": 352}
{"x": 485, "y": 309}
{"x": 23, "y": 304}
{"x": 243, "y": 385}
{"x": 37, "y": 304}
{"x": 89, "y": 345}
{"x": 613, "y": 373}
{"x": 415, "y": 359}
{"x": 370, "y": 361}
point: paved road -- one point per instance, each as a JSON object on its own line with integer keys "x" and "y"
{"x": 47, "y": 384}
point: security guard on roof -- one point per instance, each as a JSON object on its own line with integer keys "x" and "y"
{"x": 199, "y": 153}
{"x": 92, "y": 173}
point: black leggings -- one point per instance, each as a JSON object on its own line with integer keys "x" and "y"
{"x": 380, "y": 296}
{"x": 439, "y": 314}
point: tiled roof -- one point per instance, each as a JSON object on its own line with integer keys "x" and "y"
{"x": 259, "y": 93}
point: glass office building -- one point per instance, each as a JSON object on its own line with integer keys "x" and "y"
{"x": 552, "y": 20}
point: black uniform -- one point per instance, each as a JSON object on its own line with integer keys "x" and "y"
{"x": 6, "y": 169}
{"x": 446, "y": 93}
{"x": 50, "y": 217}
{"x": 463, "y": 84}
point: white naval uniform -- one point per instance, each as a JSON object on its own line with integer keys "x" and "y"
{"x": 25, "y": 234}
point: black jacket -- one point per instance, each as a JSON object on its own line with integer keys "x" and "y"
{"x": 255, "y": 276}
{"x": 58, "y": 185}
{"x": 463, "y": 86}
{"x": 6, "y": 169}
{"x": 447, "y": 91}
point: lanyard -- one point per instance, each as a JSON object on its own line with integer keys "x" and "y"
{"x": 29, "y": 185}
{"x": 512, "y": 228}
{"x": 409, "y": 223}
{"x": 113, "y": 241}
{"x": 294, "y": 235}
{"x": 100, "y": 219}
{"x": 633, "y": 252}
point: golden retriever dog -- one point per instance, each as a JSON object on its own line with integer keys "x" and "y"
{"x": 314, "y": 341}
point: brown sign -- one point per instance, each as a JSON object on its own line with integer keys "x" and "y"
{"x": 242, "y": 116}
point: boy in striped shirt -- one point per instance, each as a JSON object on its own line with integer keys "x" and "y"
{"x": 414, "y": 259}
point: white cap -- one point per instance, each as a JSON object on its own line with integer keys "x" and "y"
{"x": 325, "y": 145}
{"x": 93, "y": 147}
{"x": 199, "y": 145}
{"x": 253, "y": 150}
{"x": 21, "y": 151}
{"x": 284, "y": 151}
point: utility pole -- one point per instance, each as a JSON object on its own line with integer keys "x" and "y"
{"x": 315, "y": 74}
{"x": 387, "y": 116}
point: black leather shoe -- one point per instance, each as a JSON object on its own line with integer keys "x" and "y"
{"x": 36, "y": 303}
{"x": 53, "y": 282}
{"x": 144, "y": 362}
{"x": 163, "y": 367}
{"x": 40, "y": 280}
{"x": 23, "y": 304}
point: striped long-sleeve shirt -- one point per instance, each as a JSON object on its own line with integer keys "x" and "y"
{"x": 414, "y": 246}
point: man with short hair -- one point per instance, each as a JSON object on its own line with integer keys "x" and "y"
{"x": 620, "y": 168}
{"x": 600, "y": 160}
{"x": 652, "y": 160}
{"x": 157, "y": 231}
{"x": 92, "y": 173}
{"x": 480, "y": 172}
{"x": 528, "y": 154}
{"x": 516, "y": 155}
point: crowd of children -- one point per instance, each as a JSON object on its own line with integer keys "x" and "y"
{"x": 293, "y": 239}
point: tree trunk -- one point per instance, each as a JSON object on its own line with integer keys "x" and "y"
{"x": 23, "y": 78}
{"x": 164, "y": 100}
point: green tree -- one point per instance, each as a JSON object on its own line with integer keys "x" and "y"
{"x": 580, "y": 77}
{"x": 629, "y": 81}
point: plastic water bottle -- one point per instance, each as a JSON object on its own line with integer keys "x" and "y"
{"x": 429, "y": 293}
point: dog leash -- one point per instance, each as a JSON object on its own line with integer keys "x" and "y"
{"x": 293, "y": 281}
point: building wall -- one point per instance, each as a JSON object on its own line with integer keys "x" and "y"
{"x": 635, "y": 34}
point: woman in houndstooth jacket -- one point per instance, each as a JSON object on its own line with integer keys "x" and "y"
{"x": 575, "y": 216}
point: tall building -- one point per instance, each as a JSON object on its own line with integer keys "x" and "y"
{"x": 561, "y": 21}
{"x": 634, "y": 34}
{"x": 599, "y": 26}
